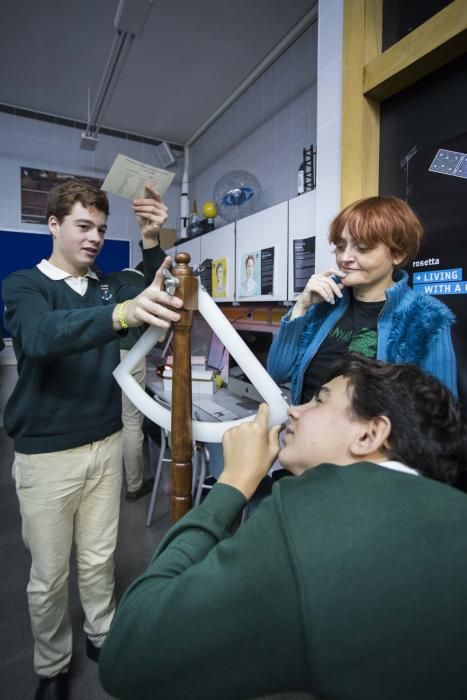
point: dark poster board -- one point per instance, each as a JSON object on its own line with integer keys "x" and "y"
{"x": 267, "y": 270}
{"x": 427, "y": 116}
{"x": 35, "y": 187}
{"x": 22, "y": 250}
{"x": 401, "y": 17}
{"x": 206, "y": 276}
{"x": 440, "y": 199}
{"x": 303, "y": 262}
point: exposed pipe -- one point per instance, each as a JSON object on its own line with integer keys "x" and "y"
{"x": 296, "y": 31}
{"x": 129, "y": 22}
{"x": 261, "y": 68}
{"x": 118, "y": 53}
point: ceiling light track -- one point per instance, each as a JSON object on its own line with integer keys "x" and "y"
{"x": 129, "y": 22}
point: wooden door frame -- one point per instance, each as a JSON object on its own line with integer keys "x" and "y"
{"x": 371, "y": 75}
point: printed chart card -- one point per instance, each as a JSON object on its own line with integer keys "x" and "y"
{"x": 127, "y": 177}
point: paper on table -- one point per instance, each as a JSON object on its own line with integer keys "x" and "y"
{"x": 127, "y": 177}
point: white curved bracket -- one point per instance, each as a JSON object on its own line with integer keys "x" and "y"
{"x": 204, "y": 432}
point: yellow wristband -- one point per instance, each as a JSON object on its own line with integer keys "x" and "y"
{"x": 121, "y": 314}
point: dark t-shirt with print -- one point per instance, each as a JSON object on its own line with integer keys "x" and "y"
{"x": 356, "y": 331}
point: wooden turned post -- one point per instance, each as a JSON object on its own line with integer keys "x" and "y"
{"x": 182, "y": 436}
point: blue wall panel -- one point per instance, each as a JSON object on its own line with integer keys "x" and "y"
{"x": 21, "y": 250}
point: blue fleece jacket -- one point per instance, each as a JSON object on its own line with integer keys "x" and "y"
{"x": 412, "y": 328}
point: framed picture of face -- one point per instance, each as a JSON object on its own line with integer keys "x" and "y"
{"x": 250, "y": 284}
{"x": 219, "y": 278}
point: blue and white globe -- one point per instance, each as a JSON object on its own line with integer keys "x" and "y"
{"x": 237, "y": 194}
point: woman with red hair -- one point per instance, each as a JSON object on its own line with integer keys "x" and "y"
{"x": 364, "y": 304}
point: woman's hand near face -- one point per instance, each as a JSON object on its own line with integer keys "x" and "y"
{"x": 320, "y": 287}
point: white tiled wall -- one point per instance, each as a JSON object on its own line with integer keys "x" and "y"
{"x": 297, "y": 102}
{"x": 265, "y": 130}
{"x": 28, "y": 142}
{"x": 330, "y": 25}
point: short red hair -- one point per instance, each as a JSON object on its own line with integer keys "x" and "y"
{"x": 375, "y": 220}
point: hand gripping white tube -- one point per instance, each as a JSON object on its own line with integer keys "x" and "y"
{"x": 204, "y": 432}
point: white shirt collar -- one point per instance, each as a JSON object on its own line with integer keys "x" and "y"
{"x": 55, "y": 273}
{"x": 398, "y": 467}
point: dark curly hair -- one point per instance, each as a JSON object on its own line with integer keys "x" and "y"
{"x": 427, "y": 430}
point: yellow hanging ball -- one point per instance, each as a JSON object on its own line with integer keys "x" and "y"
{"x": 209, "y": 210}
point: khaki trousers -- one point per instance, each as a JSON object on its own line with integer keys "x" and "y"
{"x": 64, "y": 494}
{"x": 132, "y": 419}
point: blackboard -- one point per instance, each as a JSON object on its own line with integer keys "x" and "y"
{"x": 20, "y": 250}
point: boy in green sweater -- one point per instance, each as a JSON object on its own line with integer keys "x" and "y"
{"x": 349, "y": 581}
{"x": 65, "y": 414}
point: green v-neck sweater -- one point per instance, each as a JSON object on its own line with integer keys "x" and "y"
{"x": 67, "y": 349}
{"x": 348, "y": 582}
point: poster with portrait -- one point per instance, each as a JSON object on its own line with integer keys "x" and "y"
{"x": 250, "y": 274}
{"x": 219, "y": 278}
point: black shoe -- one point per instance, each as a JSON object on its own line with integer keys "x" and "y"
{"x": 92, "y": 652}
{"x": 144, "y": 489}
{"x": 54, "y": 688}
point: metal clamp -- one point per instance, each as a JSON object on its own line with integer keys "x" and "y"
{"x": 170, "y": 282}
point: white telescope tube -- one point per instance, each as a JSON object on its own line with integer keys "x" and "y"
{"x": 203, "y": 432}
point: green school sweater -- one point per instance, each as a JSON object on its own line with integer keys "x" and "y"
{"x": 350, "y": 583}
{"x": 67, "y": 349}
